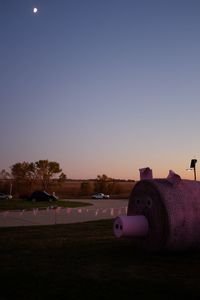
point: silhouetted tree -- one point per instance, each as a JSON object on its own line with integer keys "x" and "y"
{"x": 62, "y": 177}
{"x": 45, "y": 171}
{"x": 23, "y": 171}
{"x": 86, "y": 188}
{"x": 111, "y": 187}
{"x": 24, "y": 175}
{"x": 41, "y": 171}
{"x": 101, "y": 184}
{"x": 4, "y": 174}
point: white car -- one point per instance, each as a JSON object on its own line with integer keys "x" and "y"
{"x": 100, "y": 196}
{"x": 5, "y": 196}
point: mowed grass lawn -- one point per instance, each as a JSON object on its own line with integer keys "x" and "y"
{"x": 85, "y": 261}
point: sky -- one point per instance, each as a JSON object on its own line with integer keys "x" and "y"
{"x": 101, "y": 86}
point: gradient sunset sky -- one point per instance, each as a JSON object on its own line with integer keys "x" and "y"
{"x": 101, "y": 86}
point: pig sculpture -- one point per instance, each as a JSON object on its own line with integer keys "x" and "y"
{"x": 162, "y": 214}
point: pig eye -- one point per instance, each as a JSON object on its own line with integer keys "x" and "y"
{"x": 148, "y": 202}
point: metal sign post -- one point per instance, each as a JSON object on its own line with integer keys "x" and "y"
{"x": 193, "y": 166}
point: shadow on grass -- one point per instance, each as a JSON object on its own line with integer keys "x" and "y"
{"x": 85, "y": 261}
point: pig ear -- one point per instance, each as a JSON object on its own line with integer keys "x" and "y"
{"x": 146, "y": 173}
{"x": 173, "y": 178}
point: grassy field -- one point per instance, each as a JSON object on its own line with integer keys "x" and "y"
{"x": 77, "y": 261}
{"x": 72, "y": 189}
{"x": 17, "y": 204}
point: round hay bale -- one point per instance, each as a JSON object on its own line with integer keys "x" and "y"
{"x": 172, "y": 211}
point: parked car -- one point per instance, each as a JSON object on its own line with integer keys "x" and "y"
{"x": 100, "y": 196}
{"x": 42, "y": 196}
{"x": 5, "y": 196}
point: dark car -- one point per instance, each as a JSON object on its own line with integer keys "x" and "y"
{"x": 42, "y": 196}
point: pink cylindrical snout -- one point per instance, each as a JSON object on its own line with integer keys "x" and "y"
{"x": 135, "y": 226}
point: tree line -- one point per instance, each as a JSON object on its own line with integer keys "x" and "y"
{"x": 26, "y": 175}
{"x": 42, "y": 174}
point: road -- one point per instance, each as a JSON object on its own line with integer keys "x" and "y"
{"x": 100, "y": 209}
